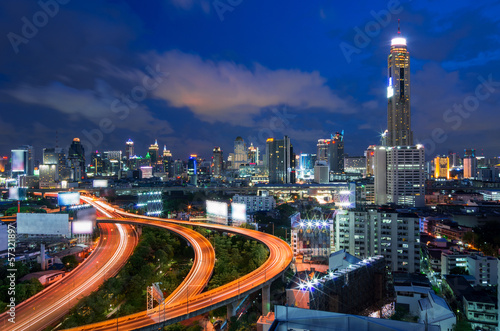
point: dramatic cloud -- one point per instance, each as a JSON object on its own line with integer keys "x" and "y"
{"x": 228, "y": 92}
{"x": 94, "y": 105}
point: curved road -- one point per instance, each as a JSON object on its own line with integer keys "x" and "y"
{"x": 47, "y": 307}
{"x": 280, "y": 257}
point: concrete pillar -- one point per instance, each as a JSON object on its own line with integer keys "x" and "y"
{"x": 42, "y": 256}
{"x": 231, "y": 309}
{"x": 139, "y": 230}
{"x": 266, "y": 300}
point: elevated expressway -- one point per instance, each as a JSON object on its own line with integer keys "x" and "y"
{"x": 115, "y": 246}
{"x": 280, "y": 257}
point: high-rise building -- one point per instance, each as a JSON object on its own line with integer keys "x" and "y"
{"x": 441, "y": 167}
{"x": 399, "y": 175}
{"x": 167, "y": 161}
{"x": 130, "y": 149}
{"x": 192, "y": 169}
{"x": 76, "y": 159}
{"x": 112, "y": 161}
{"x": 332, "y": 152}
{"x": 4, "y": 161}
{"x": 217, "y": 162}
{"x": 96, "y": 163}
{"x": 394, "y": 235}
{"x": 56, "y": 156}
{"x": 470, "y": 167}
{"x": 322, "y": 152}
{"x": 336, "y": 153}
{"x": 370, "y": 155}
{"x": 178, "y": 168}
{"x": 398, "y": 94}
{"x": 280, "y": 161}
{"x": 253, "y": 154}
{"x": 154, "y": 153}
{"x": 240, "y": 153}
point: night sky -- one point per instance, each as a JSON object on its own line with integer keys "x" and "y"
{"x": 197, "y": 74}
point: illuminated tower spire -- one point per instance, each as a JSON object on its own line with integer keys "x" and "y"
{"x": 398, "y": 94}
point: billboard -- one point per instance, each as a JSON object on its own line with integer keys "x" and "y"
{"x": 68, "y": 198}
{"x": 19, "y": 157}
{"x": 82, "y": 227}
{"x": 217, "y": 208}
{"x": 43, "y": 224}
{"x": 100, "y": 183}
{"x": 17, "y": 193}
{"x": 238, "y": 212}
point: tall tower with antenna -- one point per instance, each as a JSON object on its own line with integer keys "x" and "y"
{"x": 398, "y": 93}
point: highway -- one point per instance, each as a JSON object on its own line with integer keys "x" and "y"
{"x": 280, "y": 257}
{"x": 116, "y": 244}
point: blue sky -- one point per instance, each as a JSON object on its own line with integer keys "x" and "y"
{"x": 196, "y": 74}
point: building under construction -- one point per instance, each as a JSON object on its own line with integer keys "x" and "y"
{"x": 350, "y": 290}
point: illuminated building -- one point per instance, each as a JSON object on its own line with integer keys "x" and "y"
{"x": 396, "y": 236}
{"x": 441, "y": 167}
{"x": 4, "y": 161}
{"x": 167, "y": 161}
{"x": 253, "y": 154}
{"x": 336, "y": 153}
{"x": 76, "y": 160}
{"x": 398, "y": 94}
{"x": 256, "y": 203}
{"x": 217, "y": 162}
{"x": 154, "y": 153}
{"x": 311, "y": 237}
{"x": 321, "y": 173}
{"x": 470, "y": 167}
{"x": 192, "y": 169}
{"x": 355, "y": 164}
{"x": 96, "y": 163}
{"x": 54, "y": 168}
{"x": 332, "y": 151}
{"x": 130, "y": 149}
{"x": 369, "y": 155}
{"x": 399, "y": 175}
{"x": 280, "y": 161}
{"x": 112, "y": 163}
{"x": 178, "y": 168}
{"x": 240, "y": 153}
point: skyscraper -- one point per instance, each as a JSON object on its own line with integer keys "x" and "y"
{"x": 399, "y": 175}
{"x": 76, "y": 159}
{"x": 253, "y": 154}
{"x": 280, "y": 161}
{"x": 193, "y": 169}
{"x": 336, "y": 153}
{"x": 240, "y": 153}
{"x": 167, "y": 161}
{"x": 441, "y": 167}
{"x": 130, "y": 149}
{"x": 398, "y": 94}
{"x": 154, "y": 153}
{"x": 217, "y": 162}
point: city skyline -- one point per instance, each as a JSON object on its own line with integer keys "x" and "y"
{"x": 217, "y": 80}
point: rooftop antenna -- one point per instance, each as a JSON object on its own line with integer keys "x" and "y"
{"x": 399, "y": 30}
{"x": 57, "y": 140}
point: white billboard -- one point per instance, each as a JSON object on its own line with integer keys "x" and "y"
{"x": 17, "y": 193}
{"x": 238, "y": 212}
{"x": 43, "y": 224}
{"x": 82, "y": 227}
{"x": 217, "y": 208}
{"x": 68, "y": 198}
{"x": 19, "y": 157}
{"x": 100, "y": 183}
